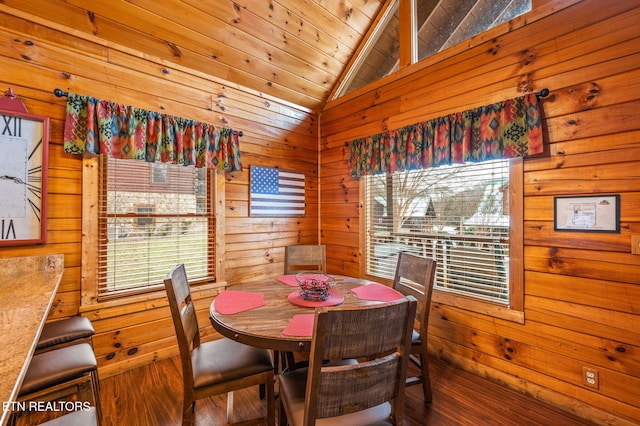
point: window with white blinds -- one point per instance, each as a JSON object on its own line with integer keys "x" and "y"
{"x": 151, "y": 218}
{"x": 458, "y": 215}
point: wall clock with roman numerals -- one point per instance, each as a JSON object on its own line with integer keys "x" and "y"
{"x": 24, "y": 140}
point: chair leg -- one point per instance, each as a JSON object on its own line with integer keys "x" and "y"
{"x": 271, "y": 404}
{"x": 282, "y": 361}
{"x": 291, "y": 361}
{"x": 188, "y": 410}
{"x": 426, "y": 381}
{"x": 13, "y": 417}
{"x": 282, "y": 414}
{"x": 276, "y": 362}
{"x": 95, "y": 388}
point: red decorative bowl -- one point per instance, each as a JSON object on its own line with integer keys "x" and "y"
{"x": 314, "y": 285}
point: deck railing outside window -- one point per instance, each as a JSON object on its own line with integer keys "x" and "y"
{"x": 457, "y": 215}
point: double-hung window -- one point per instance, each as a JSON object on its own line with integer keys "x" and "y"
{"x": 460, "y": 215}
{"x": 150, "y": 217}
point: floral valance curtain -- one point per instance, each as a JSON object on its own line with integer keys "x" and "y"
{"x": 502, "y": 130}
{"x": 99, "y": 126}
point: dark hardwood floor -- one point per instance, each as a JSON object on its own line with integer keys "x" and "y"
{"x": 152, "y": 396}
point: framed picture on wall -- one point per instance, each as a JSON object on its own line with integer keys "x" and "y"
{"x": 597, "y": 213}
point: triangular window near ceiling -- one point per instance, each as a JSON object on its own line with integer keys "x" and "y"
{"x": 440, "y": 24}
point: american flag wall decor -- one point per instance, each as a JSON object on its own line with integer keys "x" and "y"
{"x": 274, "y": 192}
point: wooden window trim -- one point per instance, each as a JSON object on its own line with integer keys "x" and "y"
{"x": 90, "y": 233}
{"x": 515, "y": 311}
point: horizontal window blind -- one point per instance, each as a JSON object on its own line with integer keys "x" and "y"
{"x": 151, "y": 218}
{"x": 457, "y": 215}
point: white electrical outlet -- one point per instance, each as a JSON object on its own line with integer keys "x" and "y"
{"x": 590, "y": 377}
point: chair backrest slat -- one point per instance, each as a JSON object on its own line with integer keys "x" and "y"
{"x": 378, "y": 377}
{"x": 305, "y": 257}
{"x": 184, "y": 318}
{"x": 380, "y": 337}
{"x": 415, "y": 276}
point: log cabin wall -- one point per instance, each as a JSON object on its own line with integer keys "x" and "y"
{"x": 36, "y": 58}
{"x": 582, "y": 290}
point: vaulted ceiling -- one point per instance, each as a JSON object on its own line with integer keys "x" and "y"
{"x": 291, "y": 49}
{"x": 294, "y": 50}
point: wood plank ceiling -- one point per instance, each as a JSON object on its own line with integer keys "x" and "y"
{"x": 294, "y": 50}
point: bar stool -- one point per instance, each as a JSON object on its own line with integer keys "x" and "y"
{"x": 76, "y": 418}
{"x": 62, "y": 372}
{"x": 59, "y": 333}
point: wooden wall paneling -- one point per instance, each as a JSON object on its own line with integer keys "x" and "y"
{"x": 605, "y": 152}
{"x": 543, "y": 233}
{"x": 330, "y": 20}
{"x": 267, "y": 225}
{"x": 602, "y": 121}
{"x": 65, "y": 304}
{"x": 514, "y": 381}
{"x": 116, "y": 362}
{"x": 588, "y": 263}
{"x": 564, "y": 395}
{"x": 455, "y": 52}
{"x": 58, "y": 183}
{"x": 591, "y": 348}
{"x": 70, "y": 281}
{"x": 195, "y": 44}
{"x": 281, "y": 24}
{"x": 594, "y": 292}
{"x": 226, "y": 99}
{"x": 540, "y": 208}
{"x": 349, "y": 239}
{"x": 585, "y": 329}
{"x": 277, "y": 154}
{"x": 581, "y": 291}
{"x": 344, "y": 260}
{"x": 498, "y": 61}
{"x": 253, "y": 28}
{"x": 238, "y": 242}
{"x": 39, "y": 56}
{"x": 193, "y": 89}
{"x": 131, "y": 335}
{"x": 340, "y": 182}
{"x": 599, "y": 177}
{"x": 527, "y": 352}
{"x": 532, "y": 354}
{"x": 252, "y": 274}
{"x": 32, "y": 30}
{"x": 585, "y": 52}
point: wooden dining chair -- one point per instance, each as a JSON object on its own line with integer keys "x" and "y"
{"x": 215, "y": 367}
{"x": 305, "y": 257}
{"x": 415, "y": 276}
{"x": 296, "y": 259}
{"x": 352, "y": 393}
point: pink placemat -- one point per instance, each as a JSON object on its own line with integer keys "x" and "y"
{"x": 300, "y": 325}
{"x": 233, "y": 301}
{"x": 377, "y": 292}
{"x": 335, "y": 298}
{"x": 288, "y": 280}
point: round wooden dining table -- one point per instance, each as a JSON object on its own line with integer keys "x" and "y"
{"x": 263, "y": 326}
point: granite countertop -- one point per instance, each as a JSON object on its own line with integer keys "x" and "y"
{"x": 28, "y": 286}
